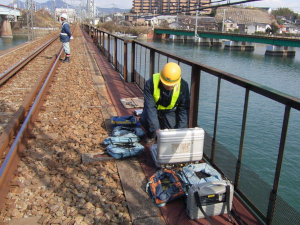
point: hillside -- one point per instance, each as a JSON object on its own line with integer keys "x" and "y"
{"x": 61, "y": 4}
{"x": 243, "y": 15}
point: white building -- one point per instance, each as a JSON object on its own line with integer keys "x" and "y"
{"x": 257, "y": 27}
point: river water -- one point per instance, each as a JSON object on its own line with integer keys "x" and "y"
{"x": 6, "y": 43}
{"x": 265, "y": 117}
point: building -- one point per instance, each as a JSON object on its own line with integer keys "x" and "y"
{"x": 257, "y": 27}
{"x": 157, "y": 7}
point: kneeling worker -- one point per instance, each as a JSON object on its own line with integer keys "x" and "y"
{"x": 166, "y": 102}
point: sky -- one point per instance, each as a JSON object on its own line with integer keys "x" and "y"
{"x": 127, "y": 4}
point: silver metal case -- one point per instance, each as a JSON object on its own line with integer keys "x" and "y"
{"x": 213, "y": 199}
{"x": 178, "y": 146}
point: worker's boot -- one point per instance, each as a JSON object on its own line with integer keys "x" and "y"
{"x": 149, "y": 141}
{"x": 67, "y": 59}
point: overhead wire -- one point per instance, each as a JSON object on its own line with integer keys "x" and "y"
{"x": 208, "y": 7}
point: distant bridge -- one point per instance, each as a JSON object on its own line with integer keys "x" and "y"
{"x": 278, "y": 41}
{"x": 7, "y": 14}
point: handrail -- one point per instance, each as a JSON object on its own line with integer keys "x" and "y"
{"x": 196, "y": 68}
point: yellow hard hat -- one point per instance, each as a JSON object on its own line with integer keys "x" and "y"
{"x": 170, "y": 74}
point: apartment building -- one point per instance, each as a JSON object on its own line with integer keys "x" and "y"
{"x": 158, "y": 7}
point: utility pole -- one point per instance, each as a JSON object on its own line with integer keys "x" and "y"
{"x": 15, "y": 15}
{"x": 29, "y": 6}
{"x": 223, "y": 25}
{"x": 196, "y": 23}
{"x": 54, "y": 12}
{"x": 68, "y": 11}
{"x": 91, "y": 8}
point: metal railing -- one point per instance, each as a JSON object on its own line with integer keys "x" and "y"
{"x": 145, "y": 61}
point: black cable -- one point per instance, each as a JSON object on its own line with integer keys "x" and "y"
{"x": 198, "y": 201}
{"x": 208, "y": 7}
{"x": 237, "y": 216}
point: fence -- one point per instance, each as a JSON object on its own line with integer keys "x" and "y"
{"x": 144, "y": 61}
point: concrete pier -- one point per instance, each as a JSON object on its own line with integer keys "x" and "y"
{"x": 215, "y": 42}
{"x": 6, "y": 29}
{"x": 239, "y": 45}
{"x": 176, "y": 38}
{"x": 202, "y": 41}
{"x": 280, "y": 50}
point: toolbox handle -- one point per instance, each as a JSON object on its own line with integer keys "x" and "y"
{"x": 205, "y": 187}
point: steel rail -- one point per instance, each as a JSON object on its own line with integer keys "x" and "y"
{"x": 15, "y": 68}
{"x": 12, "y": 158}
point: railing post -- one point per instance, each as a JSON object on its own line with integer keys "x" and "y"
{"x": 273, "y": 194}
{"x": 94, "y": 36}
{"x": 213, "y": 143}
{"x": 108, "y": 47}
{"x": 242, "y": 139}
{"x": 116, "y": 52}
{"x": 132, "y": 61}
{"x": 152, "y": 62}
{"x": 125, "y": 61}
{"x": 102, "y": 42}
{"x": 97, "y": 38}
{"x": 195, "y": 91}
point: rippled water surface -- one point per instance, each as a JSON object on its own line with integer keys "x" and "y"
{"x": 6, "y": 43}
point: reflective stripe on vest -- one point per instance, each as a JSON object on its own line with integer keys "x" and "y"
{"x": 156, "y": 93}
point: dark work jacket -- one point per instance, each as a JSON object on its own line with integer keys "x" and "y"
{"x": 153, "y": 119}
{"x": 65, "y": 32}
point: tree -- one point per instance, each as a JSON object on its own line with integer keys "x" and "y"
{"x": 274, "y": 28}
{"x": 286, "y": 12}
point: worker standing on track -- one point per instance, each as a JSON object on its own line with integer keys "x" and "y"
{"x": 65, "y": 36}
{"x": 166, "y": 101}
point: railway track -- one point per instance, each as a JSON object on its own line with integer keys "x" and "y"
{"x": 9, "y": 58}
{"x": 20, "y": 85}
{"x": 17, "y": 81}
{"x": 51, "y": 185}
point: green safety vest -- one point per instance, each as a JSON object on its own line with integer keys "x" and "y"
{"x": 156, "y": 93}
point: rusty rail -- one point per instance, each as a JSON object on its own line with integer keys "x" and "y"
{"x": 15, "y": 68}
{"x": 12, "y": 159}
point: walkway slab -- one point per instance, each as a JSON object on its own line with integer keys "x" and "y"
{"x": 141, "y": 207}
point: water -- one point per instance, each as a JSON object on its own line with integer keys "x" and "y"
{"x": 6, "y": 43}
{"x": 265, "y": 116}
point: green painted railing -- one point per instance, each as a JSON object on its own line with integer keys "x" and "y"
{"x": 291, "y": 42}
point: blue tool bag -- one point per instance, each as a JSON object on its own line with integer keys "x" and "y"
{"x": 124, "y": 121}
{"x": 124, "y": 142}
{"x": 119, "y": 151}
